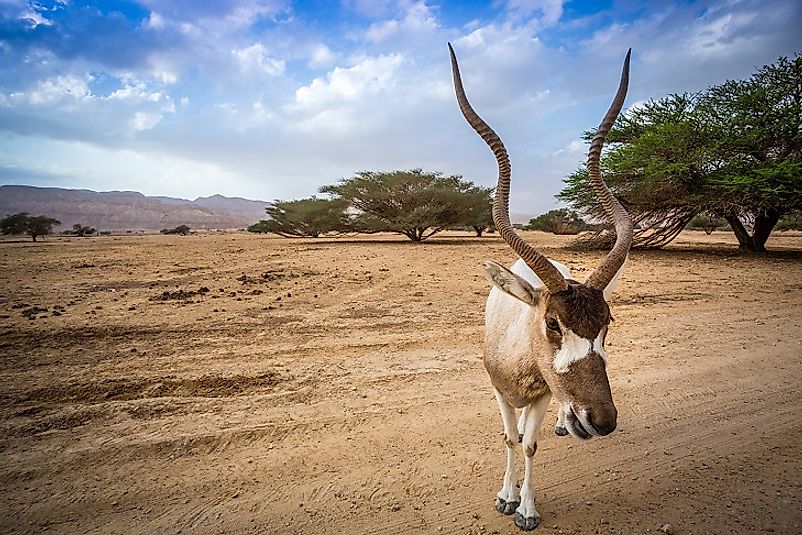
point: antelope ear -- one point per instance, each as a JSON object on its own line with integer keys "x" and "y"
{"x": 608, "y": 290}
{"x": 511, "y": 284}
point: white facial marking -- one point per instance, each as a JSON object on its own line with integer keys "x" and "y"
{"x": 575, "y": 348}
{"x": 598, "y": 346}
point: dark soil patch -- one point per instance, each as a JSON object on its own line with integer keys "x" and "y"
{"x": 122, "y": 389}
{"x": 273, "y": 275}
{"x": 180, "y": 295}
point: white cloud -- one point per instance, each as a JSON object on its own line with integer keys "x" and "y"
{"x": 255, "y": 58}
{"x": 714, "y": 37}
{"x": 551, "y": 10}
{"x": 368, "y": 75}
{"x": 143, "y": 120}
{"x": 155, "y": 21}
{"x": 136, "y": 91}
{"x": 163, "y": 69}
{"x": 33, "y": 17}
{"x": 321, "y": 56}
{"x": 417, "y": 18}
{"x": 212, "y": 16}
{"x": 576, "y": 146}
{"x": 60, "y": 88}
{"x": 371, "y": 8}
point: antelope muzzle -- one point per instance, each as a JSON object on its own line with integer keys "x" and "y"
{"x": 586, "y": 422}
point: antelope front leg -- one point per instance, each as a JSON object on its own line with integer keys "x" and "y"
{"x": 560, "y": 429}
{"x": 521, "y": 425}
{"x": 507, "y": 497}
{"x": 526, "y": 516}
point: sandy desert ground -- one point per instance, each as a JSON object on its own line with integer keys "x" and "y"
{"x": 232, "y": 383}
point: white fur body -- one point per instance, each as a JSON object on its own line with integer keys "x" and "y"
{"x": 510, "y": 347}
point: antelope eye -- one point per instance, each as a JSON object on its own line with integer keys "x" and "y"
{"x": 553, "y": 325}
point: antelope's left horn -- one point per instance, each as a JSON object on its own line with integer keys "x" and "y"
{"x": 603, "y": 274}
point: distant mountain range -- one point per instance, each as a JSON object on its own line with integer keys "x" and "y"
{"x": 130, "y": 210}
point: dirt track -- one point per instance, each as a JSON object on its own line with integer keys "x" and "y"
{"x": 250, "y": 384}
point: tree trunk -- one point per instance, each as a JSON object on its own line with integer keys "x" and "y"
{"x": 764, "y": 223}
{"x": 479, "y": 231}
{"x": 745, "y": 242}
{"x": 33, "y": 236}
{"x": 413, "y": 234}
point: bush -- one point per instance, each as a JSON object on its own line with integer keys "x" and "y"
{"x": 790, "y": 223}
{"x": 559, "y": 221}
{"x": 183, "y": 230}
{"x": 81, "y": 230}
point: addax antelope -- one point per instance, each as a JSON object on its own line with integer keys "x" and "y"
{"x": 545, "y": 332}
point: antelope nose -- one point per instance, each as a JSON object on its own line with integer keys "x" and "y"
{"x": 604, "y": 420}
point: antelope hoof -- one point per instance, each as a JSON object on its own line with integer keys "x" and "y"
{"x": 520, "y": 438}
{"x": 526, "y": 523}
{"x": 560, "y": 431}
{"x": 506, "y": 508}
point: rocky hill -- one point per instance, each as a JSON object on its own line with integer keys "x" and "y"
{"x": 129, "y": 210}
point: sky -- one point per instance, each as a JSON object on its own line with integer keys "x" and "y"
{"x": 273, "y": 99}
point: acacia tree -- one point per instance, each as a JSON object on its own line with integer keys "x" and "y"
{"x": 22, "y": 223}
{"x": 655, "y": 165}
{"x": 414, "y": 203}
{"x": 478, "y": 213}
{"x": 559, "y": 221}
{"x": 304, "y": 218}
{"x": 733, "y": 151}
{"x": 758, "y": 123}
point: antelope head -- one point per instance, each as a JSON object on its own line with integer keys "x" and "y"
{"x": 568, "y": 320}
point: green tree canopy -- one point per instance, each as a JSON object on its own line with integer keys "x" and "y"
{"x": 182, "y": 230}
{"x": 82, "y": 230}
{"x": 304, "y": 218}
{"x": 478, "y": 210}
{"x": 22, "y": 223}
{"x": 414, "y": 203}
{"x": 733, "y": 152}
{"x": 559, "y": 221}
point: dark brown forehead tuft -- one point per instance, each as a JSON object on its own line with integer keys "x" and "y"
{"x": 581, "y": 309}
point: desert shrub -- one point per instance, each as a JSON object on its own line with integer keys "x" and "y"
{"x": 790, "y": 223}
{"x": 82, "y": 230}
{"x": 183, "y": 230}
